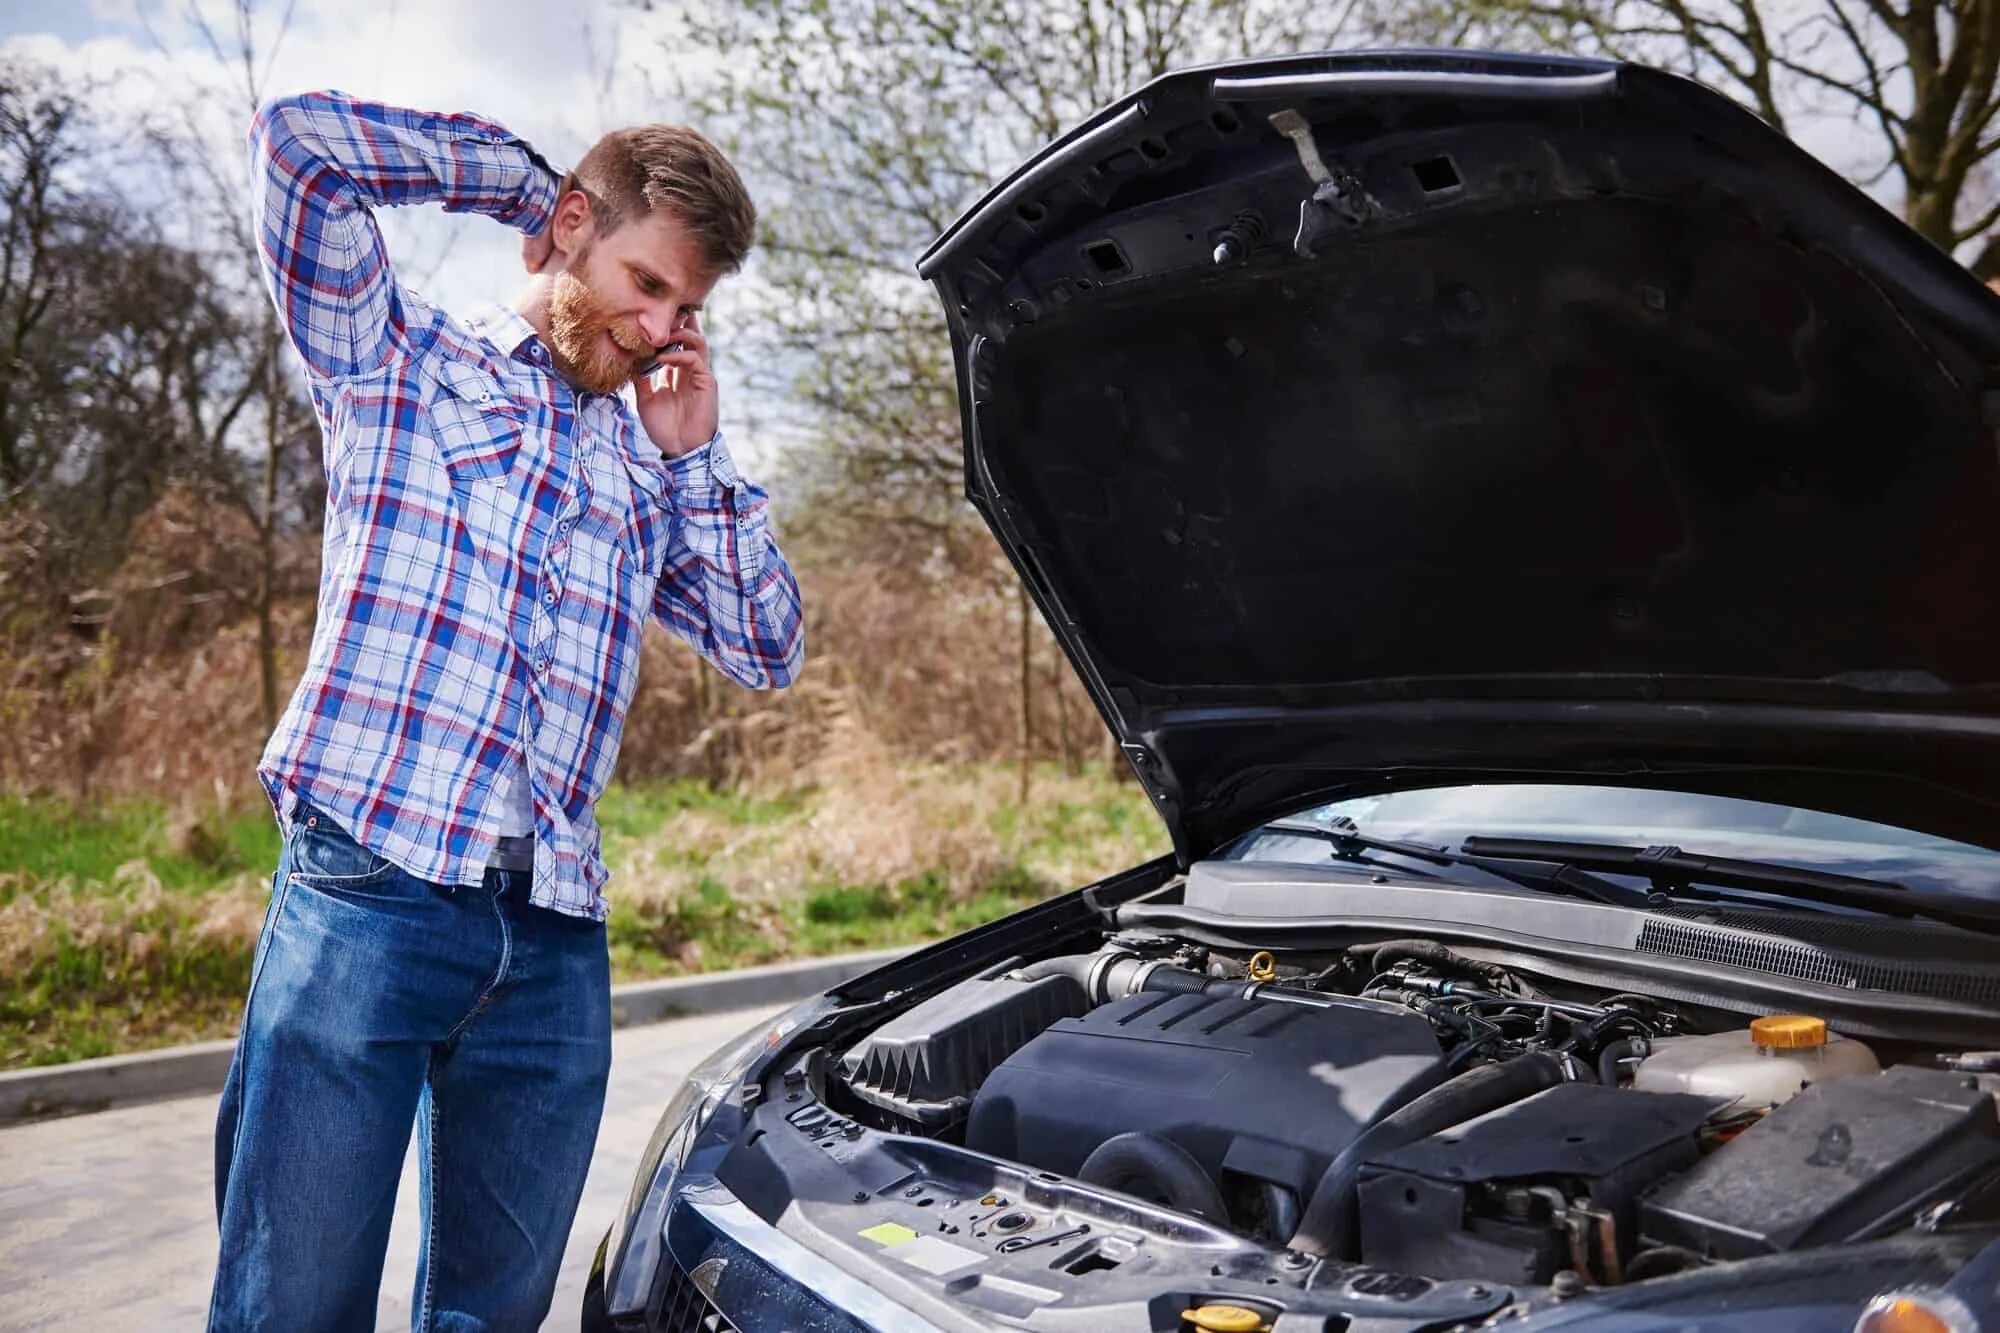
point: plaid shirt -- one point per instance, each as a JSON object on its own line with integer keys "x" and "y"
{"x": 494, "y": 538}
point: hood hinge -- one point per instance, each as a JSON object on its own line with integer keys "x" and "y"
{"x": 1339, "y": 202}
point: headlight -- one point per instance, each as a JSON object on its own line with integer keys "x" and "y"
{"x": 628, "y": 1275}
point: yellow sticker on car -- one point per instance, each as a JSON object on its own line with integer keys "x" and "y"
{"x": 889, "y": 1233}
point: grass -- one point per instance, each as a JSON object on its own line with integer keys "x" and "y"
{"x": 128, "y": 927}
{"x": 47, "y": 840}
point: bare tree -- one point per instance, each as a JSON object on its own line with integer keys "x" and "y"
{"x": 263, "y": 372}
{"x": 107, "y": 327}
{"x": 41, "y": 135}
{"x": 1919, "y": 83}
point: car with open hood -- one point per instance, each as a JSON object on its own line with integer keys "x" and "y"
{"x": 1532, "y": 532}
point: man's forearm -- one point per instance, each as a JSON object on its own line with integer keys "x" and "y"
{"x": 727, "y": 588}
{"x": 320, "y": 161}
{"x": 381, "y": 156}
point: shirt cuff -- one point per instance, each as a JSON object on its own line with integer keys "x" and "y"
{"x": 706, "y": 472}
{"x": 706, "y": 479}
{"x": 538, "y": 195}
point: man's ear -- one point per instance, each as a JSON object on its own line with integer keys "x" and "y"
{"x": 573, "y": 225}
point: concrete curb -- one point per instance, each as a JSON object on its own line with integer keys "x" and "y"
{"x": 185, "y": 1071}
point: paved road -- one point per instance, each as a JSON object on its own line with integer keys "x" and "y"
{"x": 108, "y": 1220}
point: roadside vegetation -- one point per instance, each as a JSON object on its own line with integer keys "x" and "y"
{"x": 127, "y": 926}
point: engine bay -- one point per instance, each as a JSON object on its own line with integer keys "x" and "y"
{"x": 1404, "y": 1109}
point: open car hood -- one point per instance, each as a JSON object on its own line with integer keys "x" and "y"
{"x": 1394, "y": 418}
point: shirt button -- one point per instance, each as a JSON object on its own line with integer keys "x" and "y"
{"x": 549, "y": 597}
{"x": 541, "y": 664}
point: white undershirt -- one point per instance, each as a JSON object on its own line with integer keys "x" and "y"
{"x": 516, "y": 801}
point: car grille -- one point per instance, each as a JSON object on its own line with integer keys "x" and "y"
{"x": 686, "y": 1310}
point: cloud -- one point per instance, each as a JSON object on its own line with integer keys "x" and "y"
{"x": 509, "y": 60}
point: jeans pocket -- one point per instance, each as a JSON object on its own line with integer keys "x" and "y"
{"x": 324, "y": 856}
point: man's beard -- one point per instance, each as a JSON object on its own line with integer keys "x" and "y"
{"x": 578, "y": 323}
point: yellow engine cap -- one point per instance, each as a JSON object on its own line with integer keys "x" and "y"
{"x": 1788, "y": 1032}
{"x": 1226, "y": 1319}
{"x": 1925, "y": 1312}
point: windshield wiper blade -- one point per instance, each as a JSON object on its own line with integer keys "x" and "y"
{"x": 1534, "y": 873}
{"x": 1669, "y": 867}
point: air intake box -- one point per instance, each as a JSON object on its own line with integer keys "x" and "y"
{"x": 1260, "y": 1090}
{"x": 925, "y": 1065}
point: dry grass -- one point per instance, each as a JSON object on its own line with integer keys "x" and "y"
{"x": 860, "y": 849}
{"x": 155, "y": 689}
{"x": 863, "y": 822}
{"x": 90, "y": 969}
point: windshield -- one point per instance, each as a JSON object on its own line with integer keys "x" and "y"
{"x": 1708, "y": 825}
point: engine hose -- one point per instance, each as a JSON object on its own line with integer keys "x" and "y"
{"x": 1382, "y": 955}
{"x": 1151, "y": 1167}
{"x": 1281, "y": 1205}
{"x": 1661, "y": 1261}
{"x": 1179, "y": 981}
{"x": 1616, "y": 1053}
{"x": 1114, "y": 974}
{"x": 1329, "y": 1225}
{"x": 1075, "y": 966}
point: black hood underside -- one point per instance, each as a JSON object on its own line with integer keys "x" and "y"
{"x": 1600, "y": 433}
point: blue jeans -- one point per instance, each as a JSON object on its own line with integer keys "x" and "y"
{"x": 378, "y": 1000}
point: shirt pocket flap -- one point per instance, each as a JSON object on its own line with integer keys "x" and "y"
{"x": 475, "y": 422}
{"x": 473, "y": 384}
{"x": 649, "y": 478}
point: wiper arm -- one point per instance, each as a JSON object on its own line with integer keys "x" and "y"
{"x": 1347, "y": 847}
{"x": 1534, "y": 873}
{"x": 1669, "y": 868}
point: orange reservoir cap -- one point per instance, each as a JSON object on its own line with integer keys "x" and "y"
{"x": 1788, "y": 1032}
{"x": 1226, "y": 1319}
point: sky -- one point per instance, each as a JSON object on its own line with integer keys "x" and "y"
{"x": 506, "y": 59}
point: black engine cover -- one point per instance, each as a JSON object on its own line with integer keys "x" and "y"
{"x": 1260, "y": 1090}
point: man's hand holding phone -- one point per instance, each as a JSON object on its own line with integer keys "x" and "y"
{"x": 678, "y": 400}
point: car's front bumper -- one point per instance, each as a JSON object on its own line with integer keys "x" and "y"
{"x": 727, "y": 1268}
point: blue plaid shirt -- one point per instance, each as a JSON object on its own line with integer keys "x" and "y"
{"x": 495, "y": 539}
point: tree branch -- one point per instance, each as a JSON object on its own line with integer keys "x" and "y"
{"x": 1985, "y": 223}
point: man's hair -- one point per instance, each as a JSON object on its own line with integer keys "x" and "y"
{"x": 635, "y": 172}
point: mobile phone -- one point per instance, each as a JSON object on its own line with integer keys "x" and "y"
{"x": 654, "y": 365}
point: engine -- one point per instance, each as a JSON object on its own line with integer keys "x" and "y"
{"x": 1229, "y": 1108}
{"x": 1415, "y": 1111}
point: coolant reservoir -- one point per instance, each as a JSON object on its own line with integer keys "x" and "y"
{"x": 1761, "y": 1065}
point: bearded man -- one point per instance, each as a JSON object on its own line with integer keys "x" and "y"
{"x": 501, "y": 519}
